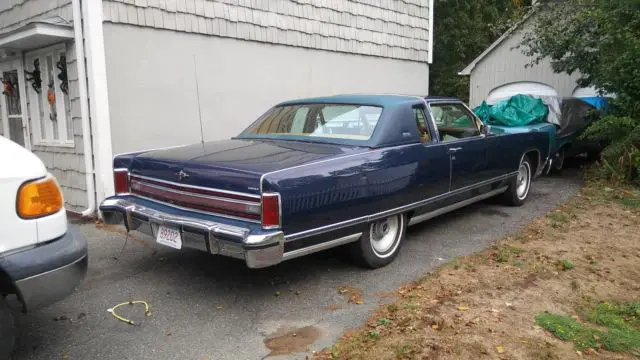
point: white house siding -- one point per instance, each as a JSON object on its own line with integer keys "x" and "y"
{"x": 66, "y": 163}
{"x": 294, "y": 49}
{"x": 506, "y": 64}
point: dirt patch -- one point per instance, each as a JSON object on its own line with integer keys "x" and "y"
{"x": 292, "y": 340}
{"x": 485, "y": 305}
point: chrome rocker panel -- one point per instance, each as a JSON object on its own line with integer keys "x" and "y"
{"x": 258, "y": 250}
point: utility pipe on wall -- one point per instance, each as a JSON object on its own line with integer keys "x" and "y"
{"x": 84, "y": 110}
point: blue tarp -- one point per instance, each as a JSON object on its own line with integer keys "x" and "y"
{"x": 597, "y": 102}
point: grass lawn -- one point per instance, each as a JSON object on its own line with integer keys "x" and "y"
{"x": 566, "y": 287}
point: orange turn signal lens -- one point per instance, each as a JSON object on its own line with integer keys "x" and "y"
{"x": 39, "y": 198}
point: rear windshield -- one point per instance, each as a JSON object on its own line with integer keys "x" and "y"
{"x": 351, "y": 122}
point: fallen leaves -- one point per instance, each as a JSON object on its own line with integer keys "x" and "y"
{"x": 353, "y": 295}
{"x": 500, "y": 349}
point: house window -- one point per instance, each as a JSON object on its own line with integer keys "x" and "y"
{"x": 49, "y": 103}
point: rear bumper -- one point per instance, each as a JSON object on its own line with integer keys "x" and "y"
{"x": 209, "y": 233}
{"x": 49, "y": 272}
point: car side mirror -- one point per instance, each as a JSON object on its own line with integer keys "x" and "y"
{"x": 484, "y": 129}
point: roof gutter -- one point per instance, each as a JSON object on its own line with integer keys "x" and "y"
{"x": 84, "y": 110}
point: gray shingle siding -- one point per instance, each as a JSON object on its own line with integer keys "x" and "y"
{"x": 15, "y": 13}
{"x": 65, "y": 163}
{"x": 386, "y": 28}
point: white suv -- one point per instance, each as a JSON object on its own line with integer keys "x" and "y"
{"x": 41, "y": 259}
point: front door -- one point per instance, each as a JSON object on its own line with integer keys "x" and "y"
{"x": 11, "y": 102}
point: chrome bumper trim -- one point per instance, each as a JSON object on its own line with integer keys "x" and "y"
{"x": 258, "y": 250}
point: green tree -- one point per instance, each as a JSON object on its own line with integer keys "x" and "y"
{"x": 462, "y": 30}
{"x": 600, "y": 40}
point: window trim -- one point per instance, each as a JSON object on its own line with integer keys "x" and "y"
{"x": 39, "y": 139}
{"x": 428, "y": 123}
{"x": 465, "y": 109}
{"x": 17, "y": 64}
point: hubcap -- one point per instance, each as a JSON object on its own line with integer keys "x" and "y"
{"x": 384, "y": 233}
{"x": 523, "y": 180}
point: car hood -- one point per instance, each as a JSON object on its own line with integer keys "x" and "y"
{"x": 234, "y": 165}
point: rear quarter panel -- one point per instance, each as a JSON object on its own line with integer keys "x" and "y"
{"x": 509, "y": 149}
{"x": 350, "y": 187}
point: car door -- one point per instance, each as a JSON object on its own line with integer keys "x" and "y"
{"x": 459, "y": 132}
{"x": 434, "y": 164}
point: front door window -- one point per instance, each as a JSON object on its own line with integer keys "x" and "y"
{"x": 454, "y": 122}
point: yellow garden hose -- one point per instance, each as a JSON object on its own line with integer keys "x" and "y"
{"x": 147, "y": 311}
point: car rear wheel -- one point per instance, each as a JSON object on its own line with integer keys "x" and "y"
{"x": 380, "y": 244}
{"x": 7, "y": 329}
{"x": 520, "y": 185}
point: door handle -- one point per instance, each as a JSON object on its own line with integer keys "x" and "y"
{"x": 453, "y": 150}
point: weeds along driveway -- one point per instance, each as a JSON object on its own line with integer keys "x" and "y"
{"x": 206, "y": 307}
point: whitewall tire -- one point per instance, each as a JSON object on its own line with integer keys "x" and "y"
{"x": 381, "y": 242}
{"x": 519, "y": 187}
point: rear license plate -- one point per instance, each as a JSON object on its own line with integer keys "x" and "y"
{"x": 169, "y": 237}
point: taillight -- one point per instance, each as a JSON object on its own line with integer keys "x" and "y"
{"x": 39, "y": 198}
{"x": 121, "y": 181}
{"x": 270, "y": 210}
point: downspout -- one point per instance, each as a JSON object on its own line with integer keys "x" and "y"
{"x": 84, "y": 110}
{"x": 431, "y": 29}
{"x": 92, "y": 21}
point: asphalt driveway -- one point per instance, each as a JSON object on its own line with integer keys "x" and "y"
{"x": 206, "y": 307}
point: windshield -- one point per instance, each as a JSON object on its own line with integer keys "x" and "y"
{"x": 351, "y": 122}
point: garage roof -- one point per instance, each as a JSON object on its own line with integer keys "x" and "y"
{"x": 472, "y": 65}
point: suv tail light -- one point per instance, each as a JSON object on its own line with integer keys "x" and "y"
{"x": 270, "y": 211}
{"x": 39, "y": 198}
{"x": 121, "y": 181}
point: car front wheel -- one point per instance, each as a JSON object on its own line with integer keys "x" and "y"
{"x": 520, "y": 185}
{"x": 380, "y": 244}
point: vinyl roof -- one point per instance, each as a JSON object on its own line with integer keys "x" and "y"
{"x": 359, "y": 99}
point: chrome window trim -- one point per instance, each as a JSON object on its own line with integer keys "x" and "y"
{"x": 197, "y": 187}
{"x": 195, "y": 210}
{"x": 400, "y": 209}
{"x": 209, "y": 197}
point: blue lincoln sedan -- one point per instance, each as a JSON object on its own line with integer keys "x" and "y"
{"x": 312, "y": 174}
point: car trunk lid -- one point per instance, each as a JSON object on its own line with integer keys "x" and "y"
{"x": 222, "y": 177}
